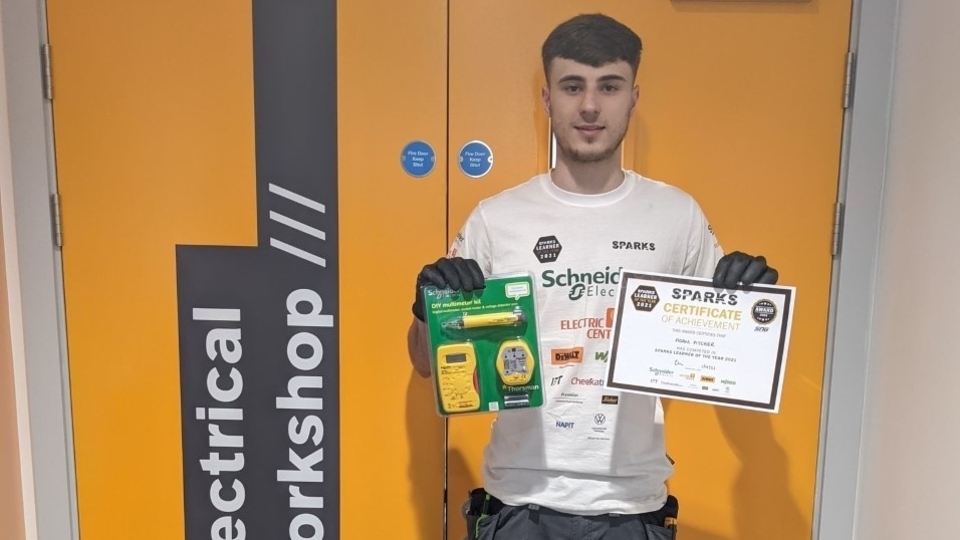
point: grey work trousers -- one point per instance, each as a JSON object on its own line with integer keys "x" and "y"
{"x": 530, "y": 522}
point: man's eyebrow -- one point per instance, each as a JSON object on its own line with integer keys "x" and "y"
{"x": 613, "y": 77}
{"x": 581, "y": 78}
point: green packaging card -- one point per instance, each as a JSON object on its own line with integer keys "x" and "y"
{"x": 485, "y": 346}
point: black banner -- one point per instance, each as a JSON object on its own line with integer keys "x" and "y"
{"x": 259, "y": 347}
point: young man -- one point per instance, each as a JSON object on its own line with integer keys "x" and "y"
{"x": 546, "y": 474}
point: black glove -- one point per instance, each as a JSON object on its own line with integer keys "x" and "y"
{"x": 455, "y": 273}
{"x": 741, "y": 269}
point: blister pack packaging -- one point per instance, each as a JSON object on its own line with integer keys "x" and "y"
{"x": 485, "y": 346}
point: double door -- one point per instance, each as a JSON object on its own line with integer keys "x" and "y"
{"x": 193, "y": 127}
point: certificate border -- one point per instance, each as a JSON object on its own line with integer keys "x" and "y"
{"x": 775, "y": 391}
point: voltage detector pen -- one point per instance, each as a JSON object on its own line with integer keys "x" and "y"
{"x": 500, "y": 318}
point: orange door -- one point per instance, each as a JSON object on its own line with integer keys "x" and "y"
{"x": 209, "y": 191}
{"x": 741, "y": 107}
{"x": 153, "y": 134}
{"x": 392, "y": 86}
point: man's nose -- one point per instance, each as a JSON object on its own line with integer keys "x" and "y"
{"x": 589, "y": 104}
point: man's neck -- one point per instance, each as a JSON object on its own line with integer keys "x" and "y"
{"x": 588, "y": 178}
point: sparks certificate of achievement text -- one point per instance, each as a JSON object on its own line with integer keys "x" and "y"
{"x": 679, "y": 337}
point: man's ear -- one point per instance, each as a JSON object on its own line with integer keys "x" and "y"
{"x": 636, "y": 98}
{"x": 545, "y": 97}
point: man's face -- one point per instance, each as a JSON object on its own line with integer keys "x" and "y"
{"x": 589, "y": 107}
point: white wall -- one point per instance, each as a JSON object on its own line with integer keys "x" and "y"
{"x": 16, "y": 473}
{"x": 910, "y": 475}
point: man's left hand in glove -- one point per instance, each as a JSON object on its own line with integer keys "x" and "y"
{"x": 738, "y": 268}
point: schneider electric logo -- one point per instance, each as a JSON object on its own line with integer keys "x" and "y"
{"x": 580, "y": 284}
{"x": 440, "y": 294}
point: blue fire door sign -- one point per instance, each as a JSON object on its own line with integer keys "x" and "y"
{"x": 418, "y": 159}
{"x": 476, "y": 159}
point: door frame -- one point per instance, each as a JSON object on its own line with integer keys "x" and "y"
{"x": 863, "y": 164}
{"x": 47, "y": 450}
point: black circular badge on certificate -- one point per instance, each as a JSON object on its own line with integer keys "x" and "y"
{"x": 764, "y": 311}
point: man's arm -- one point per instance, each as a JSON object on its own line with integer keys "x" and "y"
{"x": 706, "y": 258}
{"x": 417, "y": 347}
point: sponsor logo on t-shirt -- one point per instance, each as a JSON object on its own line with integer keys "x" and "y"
{"x": 563, "y": 357}
{"x": 599, "y": 420}
{"x": 547, "y": 249}
{"x": 570, "y": 398}
{"x": 637, "y": 246}
{"x": 610, "y": 400}
{"x": 457, "y": 244}
{"x": 582, "y": 284}
{"x": 586, "y": 381}
{"x": 716, "y": 242}
{"x": 595, "y": 327}
{"x": 564, "y": 425}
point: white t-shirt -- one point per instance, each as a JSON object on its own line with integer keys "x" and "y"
{"x": 588, "y": 450}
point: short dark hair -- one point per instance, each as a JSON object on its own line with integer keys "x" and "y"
{"x": 592, "y": 39}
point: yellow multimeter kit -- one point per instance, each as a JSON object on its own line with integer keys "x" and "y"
{"x": 485, "y": 346}
{"x": 457, "y": 377}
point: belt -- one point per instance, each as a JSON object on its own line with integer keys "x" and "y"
{"x": 483, "y": 503}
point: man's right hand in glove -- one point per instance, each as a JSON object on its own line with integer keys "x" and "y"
{"x": 455, "y": 273}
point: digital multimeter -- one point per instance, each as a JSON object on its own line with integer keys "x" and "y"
{"x": 457, "y": 377}
{"x": 515, "y": 362}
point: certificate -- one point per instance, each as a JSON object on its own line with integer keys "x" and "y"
{"x": 679, "y": 337}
